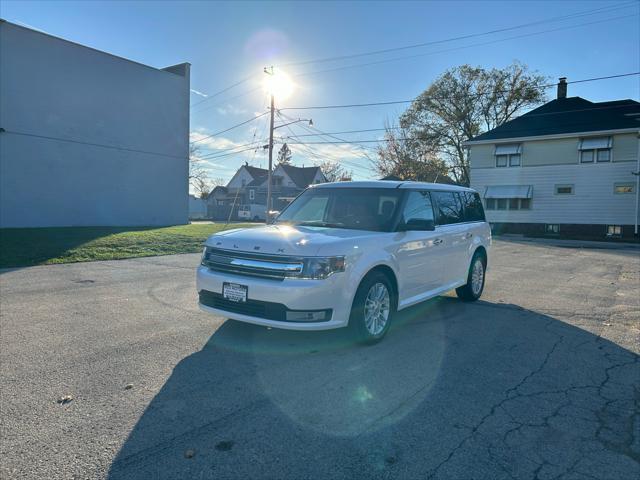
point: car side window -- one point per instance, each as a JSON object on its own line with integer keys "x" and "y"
{"x": 473, "y": 211}
{"x": 448, "y": 206}
{"x": 418, "y": 207}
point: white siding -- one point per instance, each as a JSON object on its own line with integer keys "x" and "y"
{"x": 91, "y": 139}
{"x": 593, "y": 201}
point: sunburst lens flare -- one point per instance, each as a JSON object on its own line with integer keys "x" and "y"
{"x": 278, "y": 84}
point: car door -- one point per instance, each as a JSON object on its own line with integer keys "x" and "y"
{"x": 454, "y": 234}
{"x": 417, "y": 252}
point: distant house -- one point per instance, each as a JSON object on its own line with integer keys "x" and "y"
{"x": 567, "y": 168}
{"x": 88, "y": 138}
{"x": 248, "y": 187}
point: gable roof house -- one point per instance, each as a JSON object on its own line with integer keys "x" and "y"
{"x": 568, "y": 168}
{"x": 248, "y": 187}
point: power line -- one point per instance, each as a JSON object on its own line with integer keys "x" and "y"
{"x": 231, "y": 128}
{"x": 227, "y": 154}
{"x": 463, "y": 37}
{"x": 375, "y": 104}
{"x": 243, "y": 94}
{"x": 343, "y": 132}
{"x": 101, "y": 145}
{"x": 317, "y": 156}
{"x": 213, "y": 95}
{"x": 328, "y": 135}
{"x": 491, "y": 42}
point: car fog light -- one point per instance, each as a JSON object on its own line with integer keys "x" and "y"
{"x": 305, "y": 316}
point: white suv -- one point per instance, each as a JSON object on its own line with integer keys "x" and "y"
{"x": 349, "y": 253}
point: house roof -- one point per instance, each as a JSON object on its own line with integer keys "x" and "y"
{"x": 257, "y": 181}
{"x": 568, "y": 115}
{"x": 256, "y": 172}
{"x": 301, "y": 176}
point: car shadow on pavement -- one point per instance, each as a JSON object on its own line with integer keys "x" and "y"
{"x": 456, "y": 390}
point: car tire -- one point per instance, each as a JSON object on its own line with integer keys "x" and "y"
{"x": 475, "y": 280}
{"x": 374, "y": 307}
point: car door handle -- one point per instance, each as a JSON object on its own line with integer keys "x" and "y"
{"x": 437, "y": 241}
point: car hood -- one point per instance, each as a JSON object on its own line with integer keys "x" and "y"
{"x": 287, "y": 239}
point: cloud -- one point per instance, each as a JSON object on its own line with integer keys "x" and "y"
{"x": 230, "y": 110}
{"x": 200, "y": 94}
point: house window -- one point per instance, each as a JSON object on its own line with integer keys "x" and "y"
{"x": 507, "y": 203}
{"x": 595, "y": 149}
{"x": 552, "y": 228}
{"x": 564, "y": 189}
{"x": 252, "y": 194}
{"x": 244, "y": 182}
{"x": 614, "y": 230}
{"x": 220, "y": 203}
{"x": 624, "y": 188}
{"x": 508, "y": 155}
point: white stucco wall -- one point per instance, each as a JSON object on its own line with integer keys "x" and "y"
{"x": 89, "y": 138}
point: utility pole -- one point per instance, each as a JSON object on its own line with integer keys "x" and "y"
{"x": 269, "y": 71}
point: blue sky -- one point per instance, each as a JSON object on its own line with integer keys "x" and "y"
{"x": 226, "y": 42}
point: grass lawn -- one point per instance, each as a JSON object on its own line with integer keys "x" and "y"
{"x": 20, "y": 247}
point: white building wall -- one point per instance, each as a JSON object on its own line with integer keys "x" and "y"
{"x": 593, "y": 201}
{"x": 89, "y": 138}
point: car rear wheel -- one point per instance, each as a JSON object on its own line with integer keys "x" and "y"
{"x": 475, "y": 280}
{"x": 373, "y": 308}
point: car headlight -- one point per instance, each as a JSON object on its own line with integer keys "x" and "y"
{"x": 321, "y": 267}
{"x": 204, "y": 255}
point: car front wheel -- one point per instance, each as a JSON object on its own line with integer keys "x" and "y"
{"x": 373, "y": 308}
{"x": 475, "y": 280}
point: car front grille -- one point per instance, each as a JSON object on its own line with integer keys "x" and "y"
{"x": 252, "y": 308}
{"x": 262, "y": 265}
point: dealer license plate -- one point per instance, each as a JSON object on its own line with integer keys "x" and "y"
{"x": 234, "y": 292}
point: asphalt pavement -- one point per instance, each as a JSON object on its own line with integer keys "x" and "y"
{"x": 109, "y": 370}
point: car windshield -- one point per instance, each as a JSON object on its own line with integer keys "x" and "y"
{"x": 353, "y": 208}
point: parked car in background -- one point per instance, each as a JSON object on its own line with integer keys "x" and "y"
{"x": 252, "y": 212}
{"x": 349, "y": 254}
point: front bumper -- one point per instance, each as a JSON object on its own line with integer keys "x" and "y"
{"x": 295, "y": 294}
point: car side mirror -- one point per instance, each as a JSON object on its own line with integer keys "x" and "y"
{"x": 419, "y": 224}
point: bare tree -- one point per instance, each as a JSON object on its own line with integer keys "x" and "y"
{"x": 462, "y": 103}
{"x": 334, "y": 172}
{"x": 198, "y": 176}
{"x": 408, "y": 159}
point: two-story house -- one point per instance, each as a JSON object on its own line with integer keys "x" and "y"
{"x": 248, "y": 189}
{"x": 568, "y": 168}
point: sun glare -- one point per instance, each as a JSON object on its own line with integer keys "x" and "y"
{"x": 279, "y": 85}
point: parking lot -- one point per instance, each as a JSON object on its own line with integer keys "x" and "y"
{"x": 539, "y": 379}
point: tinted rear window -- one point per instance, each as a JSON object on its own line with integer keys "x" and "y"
{"x": 473, "y": 211}
{"x": 448, "y": 207}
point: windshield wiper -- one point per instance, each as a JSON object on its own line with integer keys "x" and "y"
{"x": 319, "y": 223}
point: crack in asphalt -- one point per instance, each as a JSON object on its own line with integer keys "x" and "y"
{"x": 623, "y": 447}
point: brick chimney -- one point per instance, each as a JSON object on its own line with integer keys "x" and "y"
{"x": 562, "y": 87}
